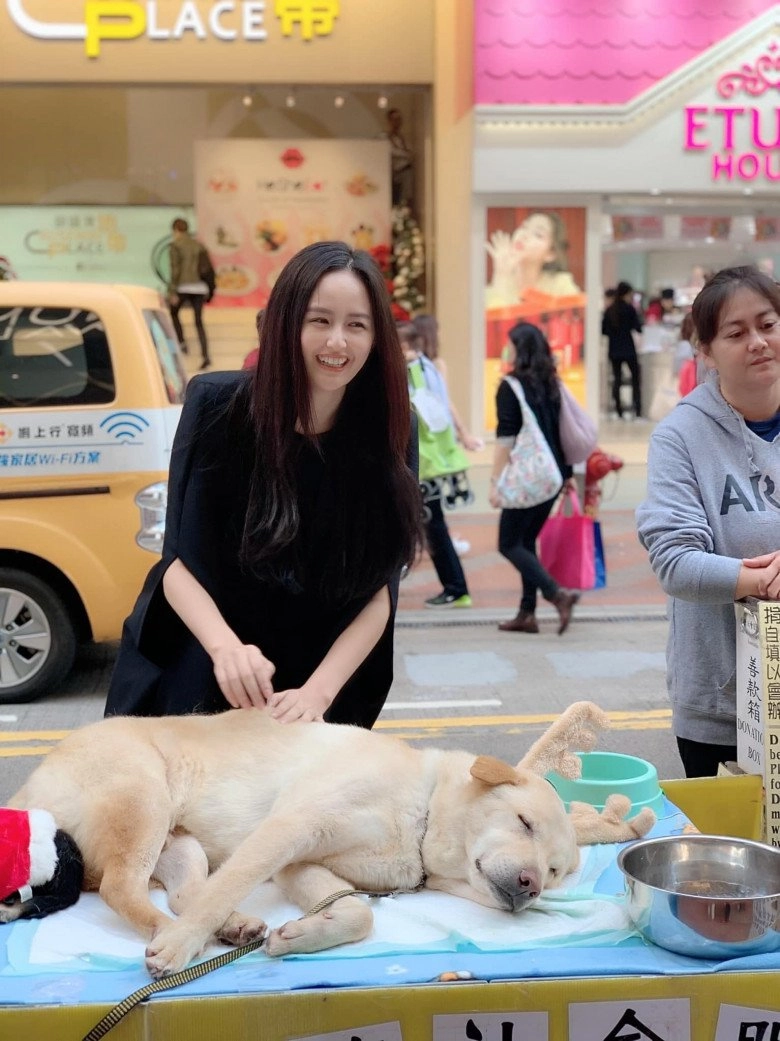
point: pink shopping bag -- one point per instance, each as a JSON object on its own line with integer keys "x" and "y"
{"x": 567, "y": 544}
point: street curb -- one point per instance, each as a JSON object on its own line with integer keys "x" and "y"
{"x": 458, "y": 616}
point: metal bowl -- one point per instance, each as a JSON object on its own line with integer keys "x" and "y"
{"x": 704, "y": 895}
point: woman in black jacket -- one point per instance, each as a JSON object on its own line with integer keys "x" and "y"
{"x": 519, "y": 529}
{"x": 619, "y": 324}
{"x": 293, "y": 505}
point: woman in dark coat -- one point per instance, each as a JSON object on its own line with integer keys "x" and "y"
{"x": 292, "y": 509}
{"x": 518, "y": 529}
{"x": 619, "y": 324}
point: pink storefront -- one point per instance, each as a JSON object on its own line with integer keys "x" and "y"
{"x": 636, "y": 141}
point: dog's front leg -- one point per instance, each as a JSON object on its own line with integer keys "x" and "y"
{"x": 347, "y": 920}
{"x": 260, "y": 856}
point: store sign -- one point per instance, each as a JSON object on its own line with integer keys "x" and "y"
{"x": 224, "y": 20}
{"x": 743, "y": 140}
{"x": 88, "y": 243}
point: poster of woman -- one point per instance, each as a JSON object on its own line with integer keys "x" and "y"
{"x": 534, "y": 273}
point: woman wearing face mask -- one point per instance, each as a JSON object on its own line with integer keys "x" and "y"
{"x": 711, "y": 519}
{"x": 293, "y": 506}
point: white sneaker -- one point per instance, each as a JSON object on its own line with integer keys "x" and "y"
{"x": 461, "y": 546}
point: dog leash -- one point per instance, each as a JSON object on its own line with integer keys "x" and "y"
{"x": 118, "y": 1012}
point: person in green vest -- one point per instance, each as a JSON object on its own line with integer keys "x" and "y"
{"x": 443, "y": 465}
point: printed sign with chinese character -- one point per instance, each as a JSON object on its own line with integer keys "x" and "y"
{"x": 668, "y": 1020}
{"x": 758, "y": 701}
{"x": 491, "y": 1026}
{"x": 375, "y": 1032}
{"x": 747, "y": 1024}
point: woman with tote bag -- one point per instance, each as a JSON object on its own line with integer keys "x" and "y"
{"x": 536, "y": 407}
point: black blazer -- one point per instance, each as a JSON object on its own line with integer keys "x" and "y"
{"x": 161, "y": 669}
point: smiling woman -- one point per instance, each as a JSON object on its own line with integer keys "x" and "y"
{"x": 293, "y": 506}
{"x": 710, "y": 520}
{"x": 336, "y": 340}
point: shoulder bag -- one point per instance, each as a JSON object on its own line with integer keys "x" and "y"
{"x": 532, "y": 475}
{"x": 578, "y": 432}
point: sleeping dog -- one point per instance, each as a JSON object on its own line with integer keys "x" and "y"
{"x": 211, "y": 806}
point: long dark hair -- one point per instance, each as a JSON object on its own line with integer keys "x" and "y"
{"x": 373, "y": 522}
{"x": 710, "y": 301}
{"x": 534, "y": 361}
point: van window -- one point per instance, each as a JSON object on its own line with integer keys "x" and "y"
{"x": 174, "y": 376}
{"x": 53, "y": 356}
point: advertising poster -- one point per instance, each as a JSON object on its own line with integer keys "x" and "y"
{"x": 88, "y": 243}
{"x": 259, "y": 202}
{"x": 535, "y": 272}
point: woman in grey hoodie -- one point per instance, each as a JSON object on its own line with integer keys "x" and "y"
{"x": 711, "y": 519}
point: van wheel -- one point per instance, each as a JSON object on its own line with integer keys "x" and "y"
{"x": 37, "y": 638}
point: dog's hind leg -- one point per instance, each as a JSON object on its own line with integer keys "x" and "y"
{"x": 347, "y": 920}
{"x": 128, "y": 836}
{"x": 271, "y": 846}
{"x": 182, "y": 869}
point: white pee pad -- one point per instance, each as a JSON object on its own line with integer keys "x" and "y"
{"x": 90, "y": 935}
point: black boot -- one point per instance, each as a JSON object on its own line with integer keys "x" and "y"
{"x": 564, "y": 601}
{"x": 523, "y": 622}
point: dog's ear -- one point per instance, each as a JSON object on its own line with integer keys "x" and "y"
{"x": 493, "y": 771}
{"x": 611, "y": 825}
{"x": 575, "y": 729}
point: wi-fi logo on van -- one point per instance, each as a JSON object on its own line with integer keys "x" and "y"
{"x": 124, "y": 426}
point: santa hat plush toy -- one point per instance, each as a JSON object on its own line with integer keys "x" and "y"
{"x": 41, "y": 869}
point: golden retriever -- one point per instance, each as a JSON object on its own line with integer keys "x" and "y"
{"x": 211, "y": 806}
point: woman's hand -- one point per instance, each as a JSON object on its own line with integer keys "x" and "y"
{"x": 244, "y": 675}
{"x": 767, "y": 568}
{"x": 305, "y": 704}
{"x": 470, "y": 442}
{"x": 493, "y": 497}
{"x": 506, "y": 263}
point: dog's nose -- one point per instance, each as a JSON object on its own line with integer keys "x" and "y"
{"x": 528, "y": 884}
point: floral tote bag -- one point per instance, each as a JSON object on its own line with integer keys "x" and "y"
{"x": 532, "y": 475}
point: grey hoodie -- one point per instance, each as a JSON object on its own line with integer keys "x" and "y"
{"x": 713, "y": 498}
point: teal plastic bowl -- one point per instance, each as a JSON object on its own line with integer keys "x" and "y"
{"x": 610, "y": 773}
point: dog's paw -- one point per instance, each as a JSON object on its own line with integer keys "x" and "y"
{"x": 10, "y": 912}
{"x": 290, "y": 938}
{"x": 171, "y": 950}
{"x": 347, "y": 921}
{"x": 240, "y": 929}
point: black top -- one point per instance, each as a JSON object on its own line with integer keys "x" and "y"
{"x": 161, "y": 668}
{"x": 547, "y": 412}
{"x": 617, "y": 324}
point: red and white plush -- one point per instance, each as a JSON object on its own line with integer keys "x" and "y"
{"x": 28, "y": 851}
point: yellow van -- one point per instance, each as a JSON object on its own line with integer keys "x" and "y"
{"x": 91, "y": 386}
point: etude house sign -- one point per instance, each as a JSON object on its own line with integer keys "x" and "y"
{"x": 743, "y": 138}
{"x": 224, "y": 20}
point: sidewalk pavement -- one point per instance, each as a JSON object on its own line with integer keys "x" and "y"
{"x": 632, "y": 590}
